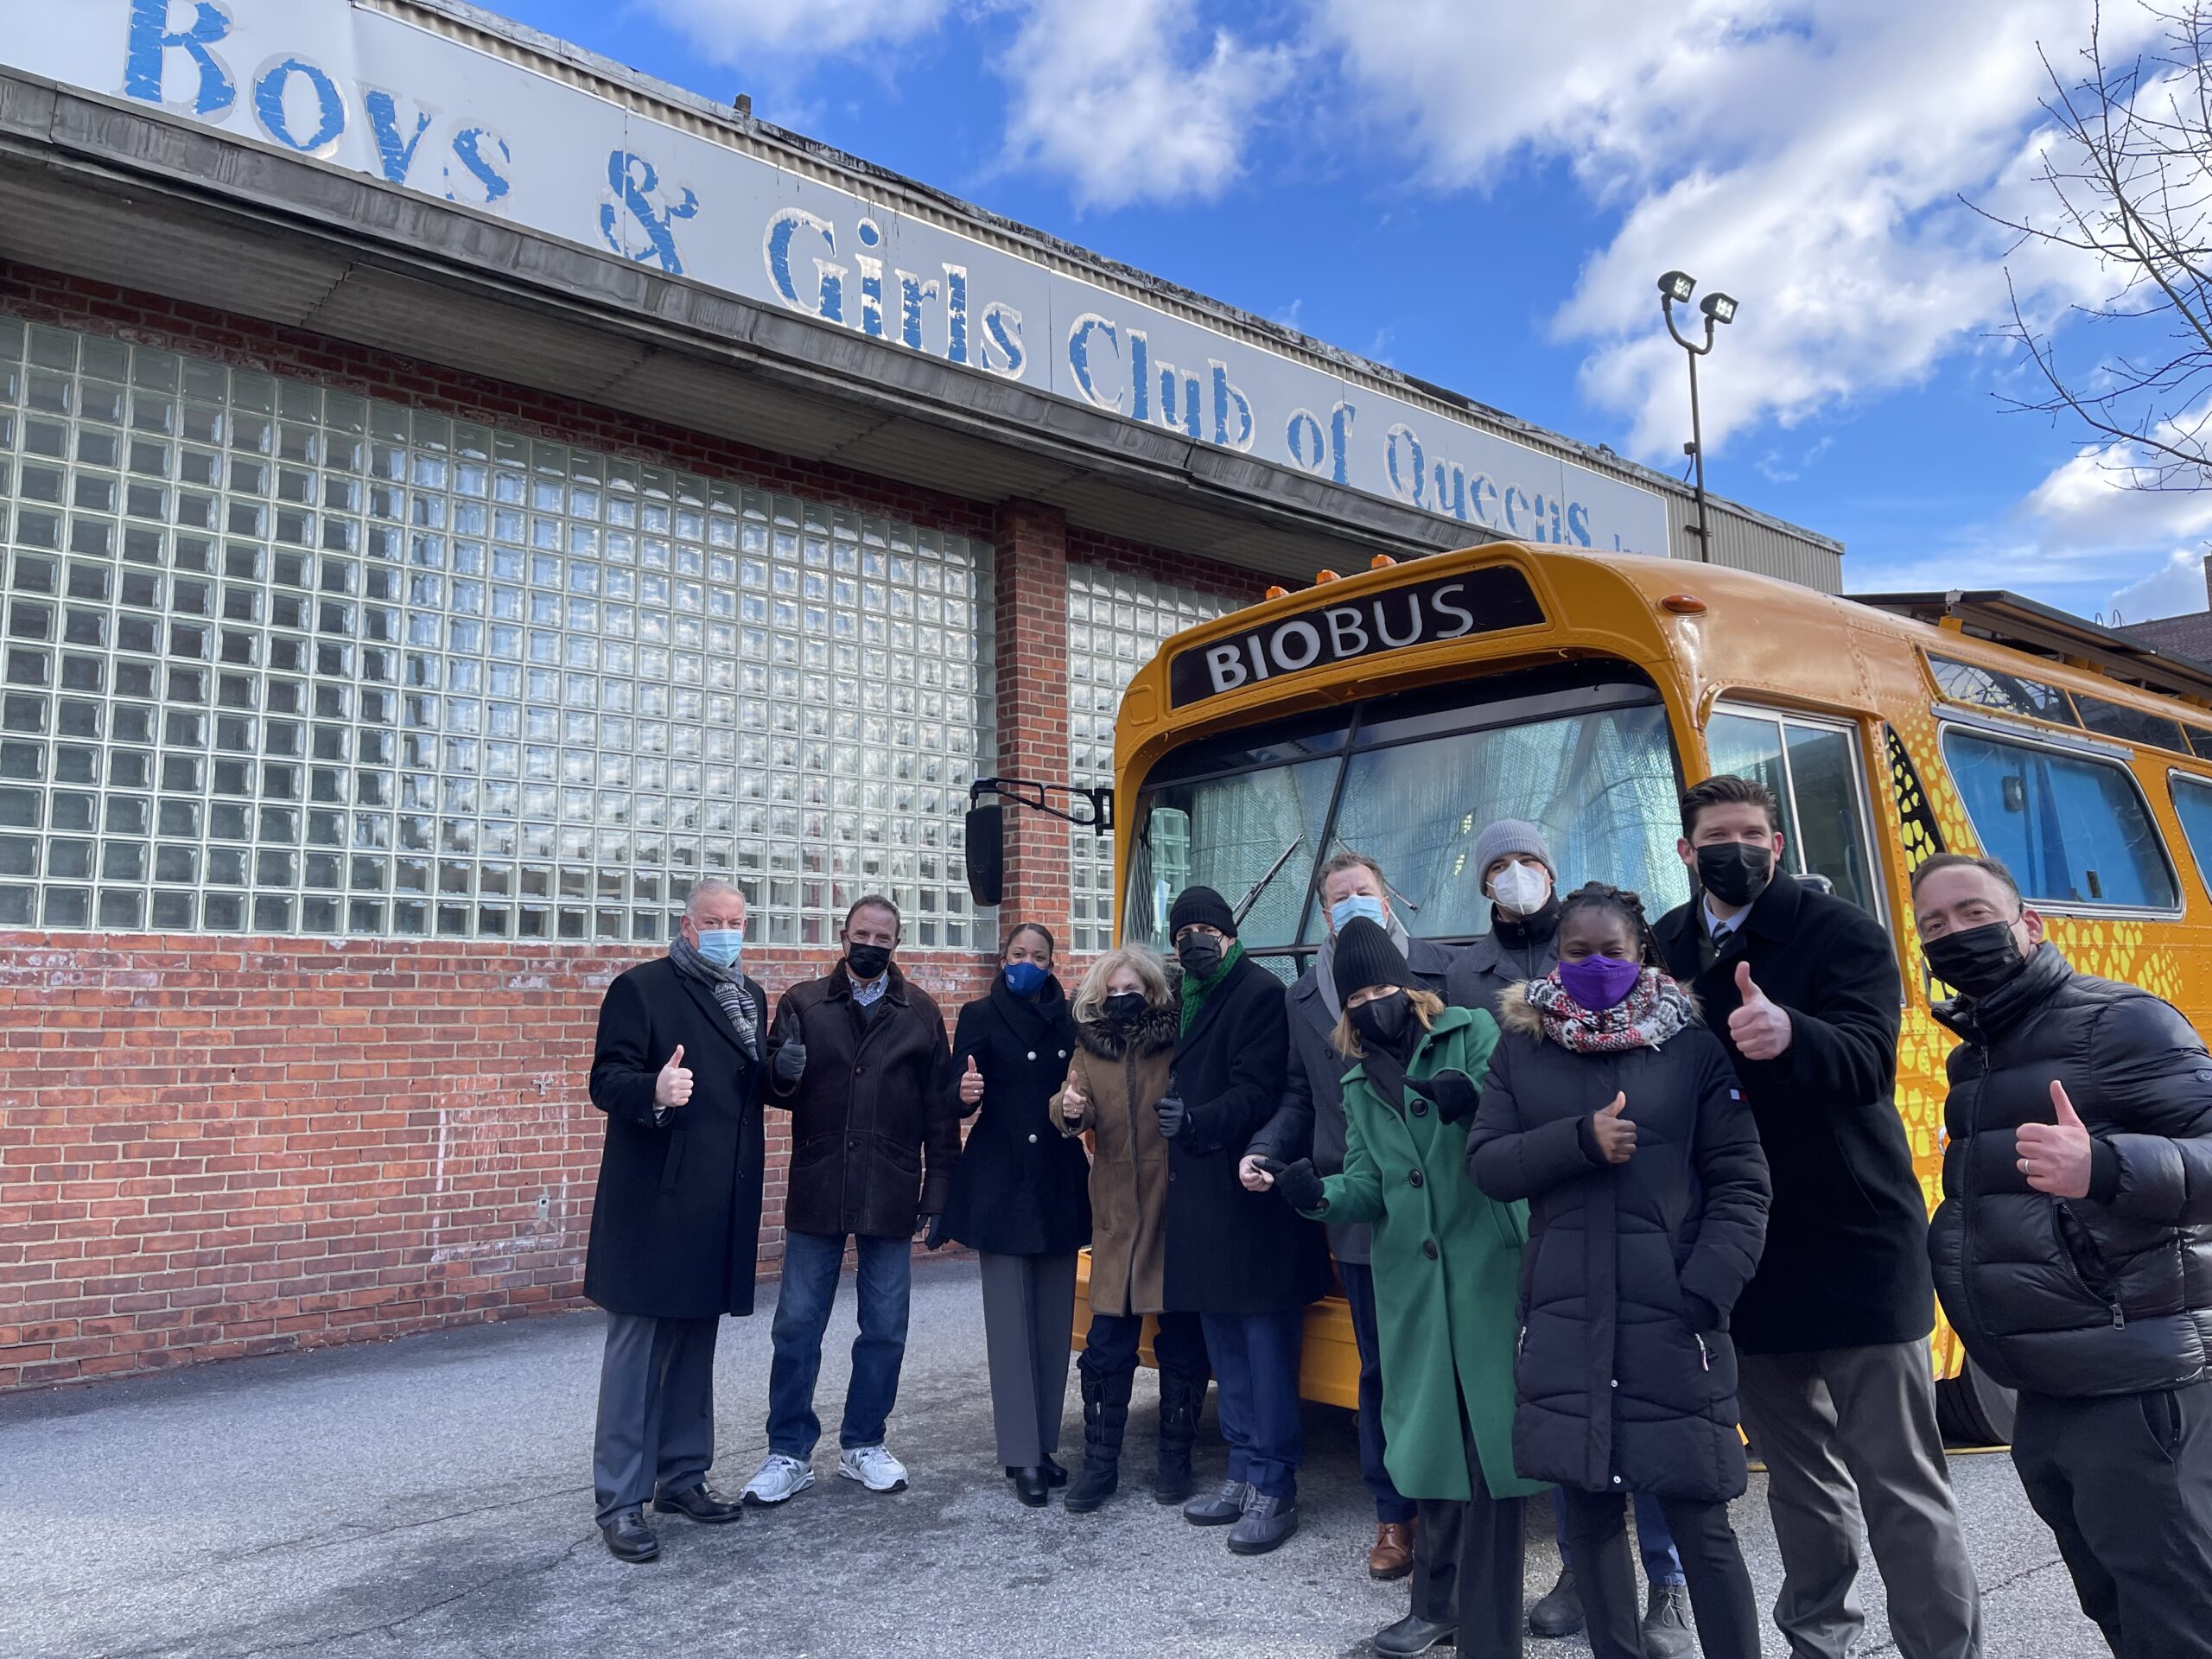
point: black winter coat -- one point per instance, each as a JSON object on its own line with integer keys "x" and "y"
{"x": 1618, "y": 1390}
{"x": 874, "y": 1100}
{"x": 2078, "y": 1296}
{"x": 1310, "y": 1122}
{"x": 1511, "y": 952}
{"x": 1847, "y": 1256}
{"x": 676, "y": 1226}
{"x": 1231, "y": 1251}
{"x": 1021, "y": 1189}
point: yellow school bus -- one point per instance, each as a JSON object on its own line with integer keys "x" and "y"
{"x": 1399, "y": 710}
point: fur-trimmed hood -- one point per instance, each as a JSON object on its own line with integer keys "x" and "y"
{"x": 1516, "y": 1013}
{"x": 1158, "y": 1029}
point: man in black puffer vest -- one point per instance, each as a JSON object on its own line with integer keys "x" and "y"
{"x": 2074, "y": 1256}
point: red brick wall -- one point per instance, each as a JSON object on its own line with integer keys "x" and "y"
{"x": 212, "y": 1146}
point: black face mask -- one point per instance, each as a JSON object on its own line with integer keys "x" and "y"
{"x": 1734, "y": 871}
{"x": 1385, "y": 1021}
{"x": 867, "y": 962}
{"x": 1124, "y": 1007}
{"x": 1975, "y": 960}
{"x": 1199, "y": 953}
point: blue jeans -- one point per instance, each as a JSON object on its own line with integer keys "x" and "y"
{"x": 1391, "y": 1508}
{"x": 1255, "y": 1369}
{"x": 1661, "y": 1564}
{"x": 810, "y": 1286}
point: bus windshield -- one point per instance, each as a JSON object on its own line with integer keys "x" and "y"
{"x": 1583, "y": 752}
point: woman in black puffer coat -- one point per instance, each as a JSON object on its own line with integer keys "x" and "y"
{"x": 1614, "y": 1112}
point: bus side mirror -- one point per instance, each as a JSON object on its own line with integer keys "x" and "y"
{"x": 986, "y": 854}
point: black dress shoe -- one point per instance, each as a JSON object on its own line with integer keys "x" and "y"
{"x": 629, "y": 1539}
{"x": 1054, "y": 1475}
{"x": 700, "y": 1504}
{"x": 1032, "y": 1487}
{"x": 1414, "y": 1634}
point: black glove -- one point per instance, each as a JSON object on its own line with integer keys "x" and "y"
{"x": 931, "y": 1231}
{"x": 1453, "y": 1093}
{"x": 1703, "y": 1315}
{"x": 791, "y": 1063}
{"x": 1174, "y": 1116}
{"x": 1298, "y": 1185}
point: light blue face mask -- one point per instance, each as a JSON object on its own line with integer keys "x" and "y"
{"x": 1360, "y": 904}
{"x": 722, "y": 946}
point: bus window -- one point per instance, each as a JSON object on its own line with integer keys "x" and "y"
{"x": 2193, "y": 806}
{"x": 1601, "y": 786}
{"x": 1250, "y": 836}
{"x": 2073, "y": 829}
{"x": 1812, "y": 766}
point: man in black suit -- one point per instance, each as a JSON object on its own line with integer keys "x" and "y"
{"x": 682, "y": 1059}
{"x": 1836, "y": 1385}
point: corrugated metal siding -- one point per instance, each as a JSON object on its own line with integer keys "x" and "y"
{"x": 1747, "y": 544}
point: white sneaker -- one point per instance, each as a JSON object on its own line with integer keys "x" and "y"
{"x": 873, "y": 1467}
{"x": 778, "y": 1480}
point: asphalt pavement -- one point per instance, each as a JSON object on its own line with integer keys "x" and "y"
{"x": 432, "y": 1497}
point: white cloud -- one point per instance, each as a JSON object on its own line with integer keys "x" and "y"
{"x": 2175, "y": 589}
{"x": 1807, "y": 155}
{"x": 729, "y": 31}
{"x": 1131, "y": 102}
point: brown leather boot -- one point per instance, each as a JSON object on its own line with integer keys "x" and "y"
{"x": 1393, "y": 1554}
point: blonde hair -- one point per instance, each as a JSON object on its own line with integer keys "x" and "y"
{"x": 1147, "y": 963}
{"x": 1427, "y": 1005}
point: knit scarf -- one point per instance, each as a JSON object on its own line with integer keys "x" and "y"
{"x": 1195, "y": 991}
{"x": 728, "y": 987}
{"x": 1651, "y": 1013}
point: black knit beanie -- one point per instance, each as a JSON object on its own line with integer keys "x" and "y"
{"x": 1366, "y": 956}
{"x": 1201, "y": 907}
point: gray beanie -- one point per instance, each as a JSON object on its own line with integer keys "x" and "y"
{"x": 1511, "y": 836}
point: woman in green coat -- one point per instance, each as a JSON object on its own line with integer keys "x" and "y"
{"x": 1448, "y": 1267}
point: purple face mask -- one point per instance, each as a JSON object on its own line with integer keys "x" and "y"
{"x": 1598, "y": 982}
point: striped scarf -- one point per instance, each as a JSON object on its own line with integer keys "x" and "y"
{"x": 1653, "y": 1011}
{"x": 727, "y": 984}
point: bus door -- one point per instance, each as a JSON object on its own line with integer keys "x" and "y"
{"x": 1816, "y": 769}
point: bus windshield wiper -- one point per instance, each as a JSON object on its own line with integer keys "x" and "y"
{"x": 1252, "y": 893}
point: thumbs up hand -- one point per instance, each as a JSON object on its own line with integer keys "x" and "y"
{"x": 1759, "y": 1029}
{"x": 1614, "y": 1133}
{"x": 672, "y": 1088}
{"x": 971, "y": 1083}
{"x": 2055, "y": 1157}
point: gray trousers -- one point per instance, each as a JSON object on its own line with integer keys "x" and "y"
{"x": 1028, "y": 1317}
{"x": 1849, "y": 1439}
{"x": 655, "y": 1410}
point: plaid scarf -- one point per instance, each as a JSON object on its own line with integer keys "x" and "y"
{"x": 1651, "y": 1013}
{"x": 727, "y": 986}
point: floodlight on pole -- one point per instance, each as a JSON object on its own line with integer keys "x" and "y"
{"x": 1676, "y": 288}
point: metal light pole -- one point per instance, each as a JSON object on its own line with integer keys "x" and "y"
{"x": 1717, "y": 308}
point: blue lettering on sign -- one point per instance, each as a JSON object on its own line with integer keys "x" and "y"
{"x": 1340, "y": 420}
{"x": 634, "y": 183}
{"x": 1227, "y": 399}
{"x": 1079, "y": 338}
{"x": 1578, "y": 523}
{"x": 1301, "y": 436}
{"x": 776, "y": 251}
{"x": 469, "y": 145}
{"x": 1405, "y": 480}
{"x": 395, "y": 154}
{"x": 276, "y": 120}
{"x": 956, "y": 313}
{"x": 871, "y": 236}
{"x": 151, "y": 41}
{"x": 1003, "y": 352}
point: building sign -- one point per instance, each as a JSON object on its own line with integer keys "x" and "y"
{"x": 364, "y": 89}
{"x": 1487, "y": 600}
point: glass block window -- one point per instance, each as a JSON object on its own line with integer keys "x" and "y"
{"x": 1116, "y": 626}
{"x": 278, "y": 660}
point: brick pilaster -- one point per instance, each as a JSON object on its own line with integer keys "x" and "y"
{"x": 1032, "y": 564}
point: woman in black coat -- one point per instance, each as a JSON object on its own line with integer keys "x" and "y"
{"x": 1245, "y": 1263}
{"x": 1021, "y": 1200}
{"x": 1615, "y": 1113}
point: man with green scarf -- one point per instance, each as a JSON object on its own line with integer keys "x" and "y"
{"x": 1247, "y": 1266}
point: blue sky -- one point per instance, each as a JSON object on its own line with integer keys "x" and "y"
{"x": 1483, "y": 196}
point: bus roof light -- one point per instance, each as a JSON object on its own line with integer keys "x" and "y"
{"x": 1683, "y": 604}
{"x": 1320, "y": 576}
{"x": 1278, "y": 591}
{"x": 1380, "y": 562}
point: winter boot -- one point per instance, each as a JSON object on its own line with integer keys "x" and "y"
{"x": 1105, "y": 1418}
{"x": 1179, "y": 1426}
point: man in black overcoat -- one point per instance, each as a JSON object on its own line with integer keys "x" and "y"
{"x": 679, "y": 1068}
{"x": 1836, "y": 1384}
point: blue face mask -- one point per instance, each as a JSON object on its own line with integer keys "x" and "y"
{"x": 722, "y": 946}
{"x": 1026, "y": 978}
{"x": 1360, "y": 904}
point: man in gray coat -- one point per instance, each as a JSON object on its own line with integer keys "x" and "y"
{"x": 1310, "y": 1124}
